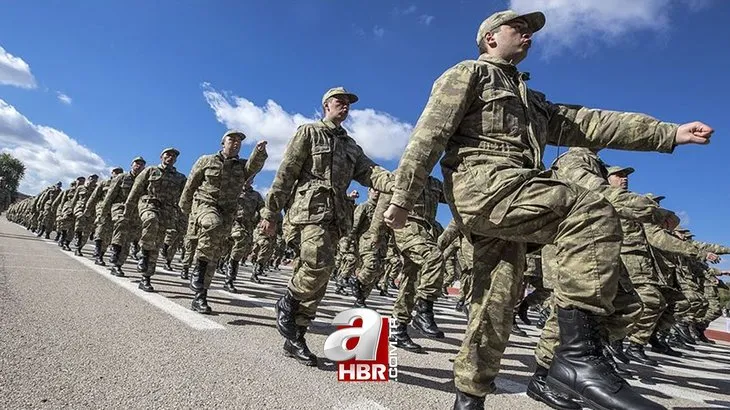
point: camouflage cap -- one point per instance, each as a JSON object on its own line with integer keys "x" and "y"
{"x": 170, "y": 149}
{"x": 59, "y": 183}
{"x": 81, "y": 178}
{"x": 617, "y": 170}
{"x": 655, "y": 198}
{"x": 139, "y": 159}
{"x": 339, "y": 91}
{"x": 237, "y": 133}
{"x": 93, "y": 176}
{"x": 117, "y": 170}
{"x": 535, "y": 20}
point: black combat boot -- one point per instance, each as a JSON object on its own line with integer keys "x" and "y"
{"x": 675, "y": 341}
{"x": 144, "y": 261}
{"x": 538, "y": 390}
{"x": 340, "y": 287}
{"x": 384, "y": 290}
{"x": 580, "y": 371}
{"x": 624, "y": 373}
{"x": 77, "y": 245}
{"x": 255, "y": 272}
{"x": 58, "y": 236}
{"x": 358, "y": 293}
{"x": 542, "y": 318}
{"x": 516, "y": 329}
{"x": 459, "y": 307}
{"x": 197, "y": 279}
{"x": 424, "y": 320}
{"x": 636, "y": 353}
{"x": 168, "y": 264}
{"x": 41, "y": 231}
{"x": 466, "y": 311}
{"x": 165, "y": 249}
{"x": 616, "y": 348}
{"x": 48, "y": 235}
{"x": 659, "y": 345}
{"x": 200, "y": 302}
{"x": 285, "y": 309}
{"x": 466, "y": 401}
{"x": 399, "y": 336}
{"x": 701, "y": 327}
{"x": 298, "y": 349}
{"x": 522, "y": 313}
{"x": 145, "y": 285}
{"x": 684, "y": 333}
{"x": 98, "y": 253}
{"x": 184, "y": 272}
{"x": 135, "y": 251}
{"x": 391, "y": 284}
{"x": 116, "y": 251}
{"x": 231, "y": 276}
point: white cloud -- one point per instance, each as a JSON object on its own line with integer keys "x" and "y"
{"x": 579, "y": 23}
{"x": 63, "y": 98}
{"x": 49, "y": 154}
{"x": 378, "y": 31}
{"x": 382, "y": 136}
{"x": 425, "y": 19}
{"x": 403, "y": 12}
{"x": 14, "y": 71}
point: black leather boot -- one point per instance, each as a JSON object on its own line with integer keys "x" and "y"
{"x": 58, "y": 237}
{"x": 636, "y": 353}
{"x": 197, "y": 279}
{"x": 466, "y": 401}
{"x": 624, "y": 373}
{"x": 384, "y": 291}
{"x": 48, "y": 235}
{"x": 522, "y": 313}
{"x": 424, "y": 320}
{"x": 255, "y": 272}
{"x": 135, "y": 251}
{"x": 40, "y": 232}
{"x": 165, "y": 248}
{"x": 145, "y": 285}
{"x": 184, "y": 272}
{"x": 659, "y": 345}
{"x": 99, "y": 253}
{"x": 700, "y": 335}
{"x": 516, "y": 330}
{"x": 298, "y": 349}
{"x": 200, "y": 302}
{"x": 285, "y": 309}
{"x": 358, "y": 293}
{"x": 400, "y": 337}
{"x": 542, "y": 318}
{"x": 538, "y": 390}
{"x": 580, "y": 371}
{"x": 231, "y": 277}
{"x": 79, "y": 237}
{"x": 116, "y": 251}
{"x": 168, "y": 264}
{"x": 144, "y": 261}
{"x": 675, "y": 341}
{"x": 684, "y": 333}
{"x": 459, "y": 307}
{"x": 616, "y": 348}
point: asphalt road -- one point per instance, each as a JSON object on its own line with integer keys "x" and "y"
{"x": 73, "y": 336}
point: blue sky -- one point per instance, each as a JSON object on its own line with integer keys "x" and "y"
{"x": 89, "y": 85}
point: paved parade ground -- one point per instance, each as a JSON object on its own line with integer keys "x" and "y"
{"x": 74, "y": 336}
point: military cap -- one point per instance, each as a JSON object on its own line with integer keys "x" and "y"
{"x": 655, "y": 198}
{"x": 535, "y": 20}
{"x": 339, "y": 91}
{"x": 617, "y": 170}
{"x": 170, "y": 149}
{"x": 59, "y": 183}
{"x": 117, "y": 170}
{"x": 80, "y": 178}
{"x": 233, "y": 133}
{"x": 139, "y": 159}
{"x": 93, "y": 176}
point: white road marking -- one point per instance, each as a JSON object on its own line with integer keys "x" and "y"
{"x": 190, "y": 318}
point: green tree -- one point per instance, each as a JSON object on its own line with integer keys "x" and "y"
{"x": 12, "y": 171}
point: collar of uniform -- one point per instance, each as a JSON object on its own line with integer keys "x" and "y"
{"x": 331, "y": 125}
{"x": 223, "y": 157}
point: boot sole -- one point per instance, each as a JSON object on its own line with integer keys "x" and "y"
{"x": 430, "y": 336}
{"x": 536, "y": 397}
{"x": 571, "y": 394}
{"x": 304, "y": 362}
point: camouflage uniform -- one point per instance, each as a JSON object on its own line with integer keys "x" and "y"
{"x": 371, "y": 248}
{"x": 392, "y": 264}
{"x": 319, "y": 163}
{"x": 125, "y": 226}
{"x": 247, "y": 215}
{"x": 47, "y": 216}
{"x": 210, "y": 199}
{"x": 493, "y": 130}
{"x": 102, "y": 226}
{"x": 83, "y": 221}
{"x": 65, "y": 216}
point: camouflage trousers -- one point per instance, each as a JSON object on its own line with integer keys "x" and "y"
{"x": 392, "y": 268}
{"x": 450, "y": 270}
{"x": 313, "y": 269}
{"x": 124, "y": 232}
{"x": 654, "y": 305}
{"x": 242, "y": 241}
{"x": 48, "y": 219}
{"x": 371, "y": 262}
{"x": 103, "y": 231}
{"x": 212, "y": 227}
{"x": 65, "y": 221}
{"x": 154, "y": 220}
{"x": 465, "y": 282}
{"x": 347, "y": 265}
{"x": 423, "y": 268}
{"x": 714, "y": 310}
{"x": 83, "y": 225}
{"x": 586, "y": 230}
{"x": 696, "y": 305}
{"x": 174, "y": 235}
{"x": 190, "y": 242}
{"x": 263, "y": 249}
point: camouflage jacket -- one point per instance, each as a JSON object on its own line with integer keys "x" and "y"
{"x": 46, "y": 201}
{"x": 250, "y": 203}
{"x": 117, "y": 194}
{"x": 95, "y": 201}
{"x": 66, "y": 203}
{"x": 319, "y": 164}
{"x": 666, "y": 242}
{"x": 217, "y": 181}
{"x": 494, "y": 129}
{"x": 81, "y": 196}
{"x": 155, "y": 187}
{"x": 712, "y": 247}
{"x": 426, "y": 204}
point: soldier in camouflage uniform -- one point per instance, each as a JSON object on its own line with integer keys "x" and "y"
{"x": 47, "y": 216}
{"x": 319, "y": 163}
{"x": 174, "y": 238}
{"x": 540, "y": 293}
{"x": 263, "y": 249}
{"x": 82, "y": 221}
{"x": 102, "y": 226}
{"x": 250, "y": 203}
{"x": 125, "y": 225}
{"x": 154, "y": 197}
{"x": 392, "y": 265}
{"x": 494, "y": 130}
{"x": 210, "y": 199}
{"x": 65, "y": 214}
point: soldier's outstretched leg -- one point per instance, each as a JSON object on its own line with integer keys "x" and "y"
{"x": 231, "y": 274}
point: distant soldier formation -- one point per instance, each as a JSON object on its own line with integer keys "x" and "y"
{"x": 607, "y": 273}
